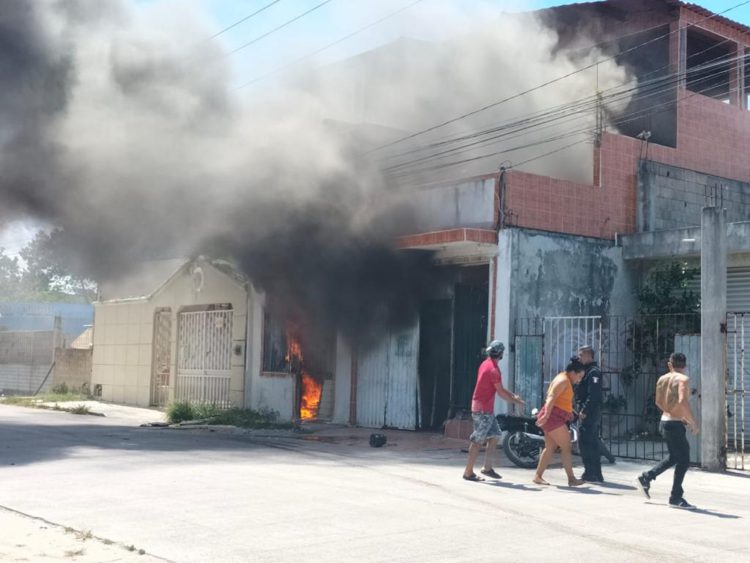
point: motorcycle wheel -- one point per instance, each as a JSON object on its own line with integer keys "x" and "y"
{"x": 520, "y": 450}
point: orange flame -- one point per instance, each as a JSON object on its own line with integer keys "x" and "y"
{"x": 311, "y": 389}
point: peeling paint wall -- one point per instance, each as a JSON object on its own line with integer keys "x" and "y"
{"x": 552, "y": 275}
{"x": 558, "y": 275}
{"x": 564, "y": 276}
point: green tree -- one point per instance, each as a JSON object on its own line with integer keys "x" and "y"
{"x": 666, "y": 291}
{"x": 10, "y": 277}
{"x": 46, "y": 274}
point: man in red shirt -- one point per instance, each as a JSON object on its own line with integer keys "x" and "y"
{"x": 486, "y": 429}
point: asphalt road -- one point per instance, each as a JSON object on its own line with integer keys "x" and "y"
{"x": 213, "y": 496}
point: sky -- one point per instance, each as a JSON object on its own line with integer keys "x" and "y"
{"x": 341, "y": 17}
{"x": 263, "y": 62}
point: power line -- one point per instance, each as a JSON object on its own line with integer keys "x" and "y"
{"x": 593, "y": 99}
{"x": 329, "y": 45}
{"x": 243, "y": 20}
{"x": 282, "y": 26}
{"x": 632, "y": 116}
{"x": 543, "y": 85}
{"x": 574, "y": 110}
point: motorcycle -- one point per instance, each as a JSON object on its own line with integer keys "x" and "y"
{"x": 524, "y": 440}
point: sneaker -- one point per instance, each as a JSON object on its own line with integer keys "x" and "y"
{"x": 644, "y": 485}
{"x": 682, "y": 503}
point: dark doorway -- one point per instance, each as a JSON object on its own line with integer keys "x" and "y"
{"x": 435, "y": 362}
{"x": 469, "y": 338}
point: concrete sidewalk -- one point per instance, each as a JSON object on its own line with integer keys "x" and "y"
{"x": 25, "y": 538}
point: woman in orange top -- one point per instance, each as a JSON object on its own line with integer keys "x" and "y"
{"x": 553, "y": 418}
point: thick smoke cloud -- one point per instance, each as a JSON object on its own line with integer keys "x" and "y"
{"x": 124, "y": 130}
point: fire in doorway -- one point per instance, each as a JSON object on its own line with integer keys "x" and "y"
{"x": 309, "y": 389}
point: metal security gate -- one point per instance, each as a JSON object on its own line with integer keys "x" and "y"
{"x": 632, "y": 353}
{"x": 204, "y": 357}
{"x": 563, "y": 336}
{"x": 738, "y": 375}
{"x": 162, "y": 357}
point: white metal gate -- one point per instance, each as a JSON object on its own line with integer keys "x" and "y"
{"x": 162, "y": 357}
{"x": 204, "y": 357}
{"x": 563, "y": 336}
{"x": 738, "y": 329}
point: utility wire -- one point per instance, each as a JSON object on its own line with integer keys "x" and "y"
{"x": 632, "y": 117}
{"x": 593, "y": 99}
{"x": 243, "y": 20}
{"x": 517, "y": 128}
{"x": 282, "y": 26}
{"x": 329, "y": 45}
{"x": 528, "y": 91}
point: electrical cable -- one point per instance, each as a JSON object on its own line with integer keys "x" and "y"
{"x": 594, "y": 100}
{"x": 329, "y": 45}
{"x": 566, "y": 117}
{"x": 480, "y": 157}
{"x": 543, "y": 85}
{"x": 243, "y": 20}
{"x": 282, "y": 26}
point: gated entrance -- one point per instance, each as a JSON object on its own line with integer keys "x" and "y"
{"x": 204, "y": 355}
{"x": 632, "y": 353}
{"x": 161, "y": 364}
{"x": 543, "y": 347}
{"x": 738, "y": 329}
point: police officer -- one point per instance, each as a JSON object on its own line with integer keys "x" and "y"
{"x": 589, "y": 403}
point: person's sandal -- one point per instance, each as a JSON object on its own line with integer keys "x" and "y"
{"x": 539, "y": 481}
{"x": 491, "y": 473}
{"x": 473, "y": 477}
{"x": 576, "y": 482}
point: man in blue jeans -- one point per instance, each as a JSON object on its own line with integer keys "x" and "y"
{"x": 672, "y": 396}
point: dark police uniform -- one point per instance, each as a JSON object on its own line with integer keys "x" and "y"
{"x": 589, "y": 402}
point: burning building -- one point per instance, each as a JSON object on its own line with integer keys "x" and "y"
{"x": 526, "y": 186}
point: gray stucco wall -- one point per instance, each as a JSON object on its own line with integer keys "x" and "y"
{"x": 552, "y": 275}
{"x": 670, "y": 197}
{"x": 470, "y": 204}
{"x": 559, "y": 275}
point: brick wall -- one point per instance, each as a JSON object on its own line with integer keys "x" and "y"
{"x": 72, "y": 367}
{"x": 712, "y": 138}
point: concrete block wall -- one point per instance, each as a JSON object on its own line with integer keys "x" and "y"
{"x": 674, "y": 197}
{"x": 73, "y": 368}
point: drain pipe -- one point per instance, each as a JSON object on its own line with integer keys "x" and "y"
{"x": 501, "y": 205}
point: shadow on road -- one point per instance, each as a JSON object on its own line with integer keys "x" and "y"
{"x": 506, "y": 485}
{"x": 703, "y": 511}
{"x": 617, "y": 486}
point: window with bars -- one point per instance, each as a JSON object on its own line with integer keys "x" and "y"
{"x": 275, "y": 345}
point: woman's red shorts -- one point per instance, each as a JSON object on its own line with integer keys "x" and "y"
{"x": 558, "y": 418}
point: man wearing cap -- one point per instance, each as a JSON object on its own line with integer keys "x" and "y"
{"x": 588, "y": 396}
{"x": 486, "y": 429}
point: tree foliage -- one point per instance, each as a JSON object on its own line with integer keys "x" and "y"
{"x": 666, "y": 291}
{"x": 41, "y": 273}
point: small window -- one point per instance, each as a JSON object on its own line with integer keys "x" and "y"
{"x": 275, "y": 345}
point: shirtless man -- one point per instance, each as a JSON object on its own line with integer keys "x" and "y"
{"x": 672, "y": 395}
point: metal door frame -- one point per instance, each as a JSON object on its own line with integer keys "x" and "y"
{"x": 736, "y": 392}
